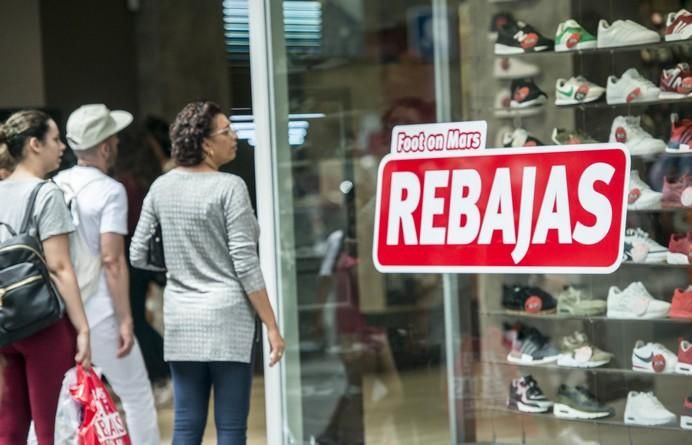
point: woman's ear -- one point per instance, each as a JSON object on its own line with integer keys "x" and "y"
{"x": 34, "y": 145}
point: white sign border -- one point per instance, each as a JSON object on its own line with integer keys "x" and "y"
{"x": 503, "y": 269}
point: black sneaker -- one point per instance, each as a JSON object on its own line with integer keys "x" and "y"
{"x": 532, "y": 348}
{"x": 518, "y": 38}
{"x": 500, "y": 20}
{"x": 579, "y": 403}
{"x": 527, "y": 298}
{"x": 526, "y": 396}
{"x": 519, "y": 138}
{"x": 526, "y": 94}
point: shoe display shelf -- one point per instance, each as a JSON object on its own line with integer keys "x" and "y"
{"x": 526, "y": 369}
{"x": 602, "y": 104}
{"x": 611, "y": 50}
{"x": 598, "y": 318}
{"x": 613, "y": 422}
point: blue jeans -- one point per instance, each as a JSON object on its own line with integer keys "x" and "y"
{"x": 192, "y": 382}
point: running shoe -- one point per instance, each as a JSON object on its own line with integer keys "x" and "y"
{"x": 519, "y": 138}
{"x": 527, "y": 298}
{"x": 680, "y": 135}
{"x": 684, "y": 365}
{"x": 677, "y": 192}
{"x": 503, "y": 100}
{"x": 526, "y": 94}
{"x": 686, "y": 415}
{"x": 532, "y": 348}
{"x": 676, "y": 83}
{"x": 578, "y": 403}
{"x": 635, "y": 252}
{"x": 628, "y": 130}
{"x": 576, "y": 351}
{"x": 624, "y": 33}
{"x": 653, "y": 357}
{"x": 519, "y": 38}
{"x": 499, "y": 21}
{"x": 635, "y": 302}
{"x": 643, "y": 408}
{"x": 562, "y": 136}
{"x": 526, "y": 396}
{"x": 656, "y": 253}
{"x": 576, "y": 90}
{"x": 571, "y": 36}
{"x": 630, "y": 87}
{"x": 680, "y": 248}
{"x": 578, "y": 302}
{"x": 640, "y": 196}
{"x": 513, "y": 68}
{"x": 681, "y": 306}
{"x": 678, "y": 25}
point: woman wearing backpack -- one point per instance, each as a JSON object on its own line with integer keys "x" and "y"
{"x": 35, "y": 365}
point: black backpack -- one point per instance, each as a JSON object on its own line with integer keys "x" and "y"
{"x": 29, "y": 301}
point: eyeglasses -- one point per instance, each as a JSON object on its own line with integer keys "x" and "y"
{"x": 226, "y": 130}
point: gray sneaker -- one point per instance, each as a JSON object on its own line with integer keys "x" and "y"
{"x": 579, "y": 403}
{"x": 578, "y": 352}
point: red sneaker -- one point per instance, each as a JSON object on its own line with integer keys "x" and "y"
{"x": 677, "y": 192}
{"x": 684, "y": 365}
{"x": 686, "y": 415}
{"x": 676, "y": 82}
{"x": 682, "y": 304}
{"x": 680, "y": 248}
{"x": 680, "y": 135}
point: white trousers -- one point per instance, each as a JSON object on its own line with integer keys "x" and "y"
{"x": 128, "y": 378}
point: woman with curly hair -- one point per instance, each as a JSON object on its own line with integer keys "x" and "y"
{"x": 215, "y": 286}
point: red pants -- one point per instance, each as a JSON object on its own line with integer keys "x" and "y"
{"x": 33, "y": 374}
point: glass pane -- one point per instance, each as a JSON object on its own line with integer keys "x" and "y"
{"x": 370, "y": 366}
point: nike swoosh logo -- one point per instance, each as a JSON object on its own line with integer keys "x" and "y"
{"x": 647, "y": 360}
{"x": 566, "y": 93}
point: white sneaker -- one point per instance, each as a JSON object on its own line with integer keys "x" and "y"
{"x": 678, "y": 25}
{"x": 513, "y": 68}
{"x": 628, "y": 130}
{"x": 640, "y": 196}
{"x": 643, "y": 408}
{"x": 624, "y": 33}
{"x": 653, "y": 357}
{"x": 576, "y": 90}
{"x": 570, "y": 36}
{"x": 656, "y": 252}
{"x": 631, "y": 87}
{"x": 635, "y": 302}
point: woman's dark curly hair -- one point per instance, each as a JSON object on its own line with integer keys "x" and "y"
{"x": 189, "y": 129}
{"x": 22, "y": 126}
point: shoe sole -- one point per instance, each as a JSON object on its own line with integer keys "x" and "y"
{"x": 567, "y": 361}
{"x": 683, "y": 148}
{"x": 518, "y": 112}
{"x": 561, "y": 47}
{"x": 677, "y": 37}
{"x": 527, "y": 360}
{"x": 567, "y": 412}
{"x": 505, "y": 50}
{"x": 647, "y": 370}
{"x": 677, "y": 258}
{"x": 683, "y": 368}
{"x": 686, "y": 422}
{"x": 617, "y": 100}
{"x": 629, "y": 420}
{"x": 666, "y": 95}
{"x": 528, "y": 104}
{"x": 564, "y": 102}
{"x": 520, "y": 406}
{"x": 682, "y": 315}
{"x": 627, "y": 316}
{"x": 629, "y": 43}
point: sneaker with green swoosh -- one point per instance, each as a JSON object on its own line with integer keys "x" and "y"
{"x": 571, "y": 36}
{"x": 576, "y": 90}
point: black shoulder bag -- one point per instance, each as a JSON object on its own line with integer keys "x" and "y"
{"x": 156, "y": 260}
{"x": 29, "y": 301}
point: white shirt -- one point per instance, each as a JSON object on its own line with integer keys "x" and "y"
{"x": 102, "y": 205}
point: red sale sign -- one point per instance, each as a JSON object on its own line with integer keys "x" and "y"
{"x": 537, "y": 209}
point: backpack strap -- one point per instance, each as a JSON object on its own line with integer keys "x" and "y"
{"x": 30, "y": 208}
{"x": 9, "y": 228}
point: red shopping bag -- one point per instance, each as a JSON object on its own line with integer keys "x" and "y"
{"x": 101, "y": 422}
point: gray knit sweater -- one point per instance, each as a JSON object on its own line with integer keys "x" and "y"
{"x": 210, "y": 238}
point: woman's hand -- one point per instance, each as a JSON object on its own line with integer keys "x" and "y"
{"x": 276, "y": 345}
{"x": 83, "y": 356}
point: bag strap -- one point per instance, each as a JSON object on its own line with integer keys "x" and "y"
{"x": 9, "y": 228}
{"x": 30, "y": 208}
